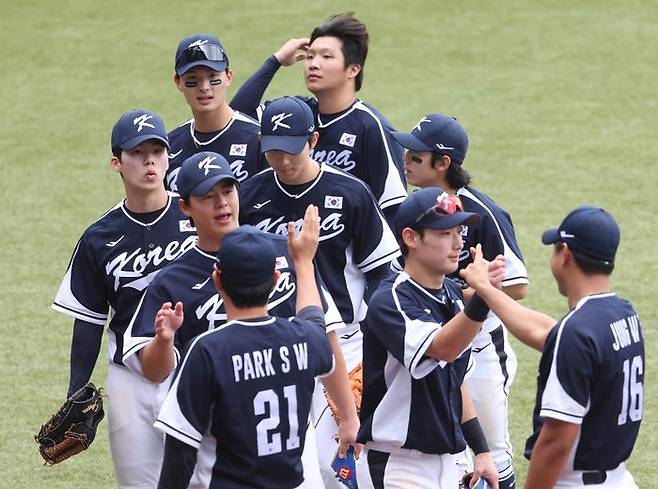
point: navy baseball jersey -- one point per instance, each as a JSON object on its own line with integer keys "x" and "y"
{"x": 411, "y": 400}
{"x": 115, "y": 260}
{"x": 188, "y": 280}
{"x": 354, "y": 237}
{"x": 249, "y": 385}
{"x": 591, "y": 373}
{"x": 237, "y": 142}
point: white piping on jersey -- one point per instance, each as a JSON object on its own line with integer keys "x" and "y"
{"x": 509, "y": 253}
{"x": 162, "y": 214}
{"x": 348, "y": 112}
{"x": 203, "y": 253}
{"x": 236, "y": 116}
{"x": 554, "y": 389}
{"x": 306, "y": 190}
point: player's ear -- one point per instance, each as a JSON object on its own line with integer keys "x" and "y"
{"x": 229, "y": 76}
{"x": 313, "y": 139}
{"x": 217, "y": 279}
{"x": 410, "y": 237}
{"x": 115, "y": 164}
{"x": 184, "y": 207}
{"x": 177, "y": 82}
{"x": 443, "y": 163}
{"x": 353, "y": 70}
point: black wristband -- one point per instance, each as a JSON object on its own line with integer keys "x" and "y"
{"x": 474, "y": 436}
{"x": 476, "y": 309}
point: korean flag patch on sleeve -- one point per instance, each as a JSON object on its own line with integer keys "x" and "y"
{"x": 332, "y": 202}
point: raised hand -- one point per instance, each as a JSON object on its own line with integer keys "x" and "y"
{"x": 302, "y": 247}
{"x": 168, "y": 320}
{"x": 289, "y": 53}
{"x": 476, "y": 273}
{"x": 497, "y": 271}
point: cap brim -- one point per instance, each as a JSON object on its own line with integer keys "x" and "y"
{"x": 290, "y": 144}
{"x": 449, "y": 222}
{"x": 410, "y": 141}
{"x": 213, "y": 65}
{"x": 550, "y": 236}
{"x": 131, "y": 143}
{"x": 206, "y": 186}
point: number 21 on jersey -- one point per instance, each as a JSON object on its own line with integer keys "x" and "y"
{"x": 269, "y": 440}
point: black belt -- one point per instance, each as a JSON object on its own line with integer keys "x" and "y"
{"x": 592, "y": 477}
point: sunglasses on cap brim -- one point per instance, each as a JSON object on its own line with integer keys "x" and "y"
{"x": 445, "y": 205}
{"x": 202, "y": 52}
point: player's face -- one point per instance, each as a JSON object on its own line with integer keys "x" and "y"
{"x": 143, "y": 167}
{"x": 291, "y": 169}
{"x": 324, "y": 66}
{"x": 438, "y": 250}
{"x": 556, "y": 264}
{"x": 204, "y": 89}
{"x": 215, "y": 213}
{"x": 418, "y": 168}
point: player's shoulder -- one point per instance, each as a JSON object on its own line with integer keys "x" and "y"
{"x": 108, "y": 222}
{"x": 333, "y": 177}
{"x": 244, "y": 123}
{"x": 477, "y": 201}
{"x": 371, "y": 115}
{"x": 180, "y": 130}
{"x": 259, "y": 184}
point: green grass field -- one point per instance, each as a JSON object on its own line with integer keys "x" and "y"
{"x": 557, "y": 98}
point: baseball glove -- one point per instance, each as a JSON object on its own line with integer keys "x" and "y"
{"x": 356, "y": 385}
{"x": 73, "y": 427}
{"x": 466, "y": 481}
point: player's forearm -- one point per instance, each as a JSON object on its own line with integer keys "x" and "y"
{"x": 178, "y": 464}
{"x": 529, "y": 326}
{"x": 338, "y": 384}
{"x": 453, "y": 338}
{"x": 249, "y": 95}
{"x": 157, "y": 359}
{"x": 547, "y": 462}
{"x": 517, "y": 291}
{"x": 85, "y": 347}
{"x": 307, "y": 288}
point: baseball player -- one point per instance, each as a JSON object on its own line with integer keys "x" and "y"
{"x": 113, "y": 262}
{"x": 203, "y": 75}
{"x": 209, "y": 197}
{"x": 356, "y": 244}
{"x": 416, "y": 414}
{"x": 249, "y": 383}
{"x": 590, "y": 381}
{"x": 436, "y": 150}
{"x": 354, "y": 136}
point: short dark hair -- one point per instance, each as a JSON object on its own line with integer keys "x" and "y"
{"x": 587, "y": 265}
{"x": 404, "y": 249}
{"x": 354, "y": 37}
{"x": 248, "y": 295}
{"x": 456, "y": 176}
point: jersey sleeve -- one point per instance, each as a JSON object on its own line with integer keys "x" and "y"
{"x": 82, "y": 294}
{"x": 324, "y": 359}
{"x": 567, "y": 393}
{"x": 186, "y": 411}
{"x": 383, "y": 163}
{"x": 498, "y": 237}
{"x": 405, "y": 329}
{"x": 373, "y": 241}
{"x": 141, "y": 329}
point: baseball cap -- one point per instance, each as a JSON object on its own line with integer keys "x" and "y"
{"x": 201, "y": 172}
{"x": 200, "y": 50}
{"x": 589, "y": 231}
{"x": 286, "y": 125}
{"x": 247, "y": 257}
{"x": 136, "y": 126}
{"x": 432, "y": 208}
{"x": 439, "y": 133}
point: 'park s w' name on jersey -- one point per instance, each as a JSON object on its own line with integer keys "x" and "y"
{"x": 411, "y": 400}
{"x": 249, "y": 385}
{"x": 495, "y": 233}
{"x": 188, "y": 280}
{"x": 591, "y": 373}
{"x": 115, "y": 260}
{"x": 237, "y": 142}
{"x": 354, "y": 237}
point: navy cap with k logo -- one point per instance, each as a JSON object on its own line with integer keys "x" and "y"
{"x": 200, "y": 50}
{"x": 201, "y": 172}
{"x": 438, "y": 133}
{"x": 135, "y": 127}
{"x": 286, "y": 125}
{"x": 247, "y": 257}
